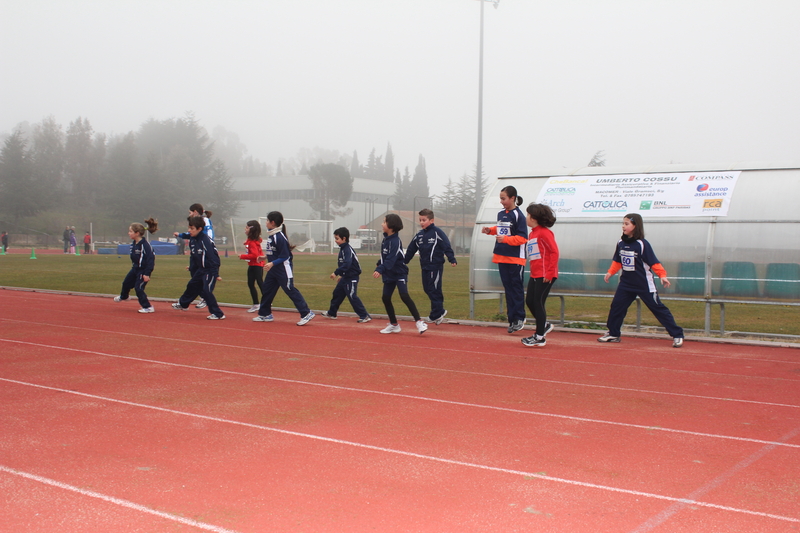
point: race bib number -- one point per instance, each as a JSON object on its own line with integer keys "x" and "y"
{"x": 504, "y": 229}
{"x": 628, "y": 260}
{"x": 533, "y": 250}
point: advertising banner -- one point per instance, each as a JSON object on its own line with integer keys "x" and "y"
{"x": 684, "y": 194}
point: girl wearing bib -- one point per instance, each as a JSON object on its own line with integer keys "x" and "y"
{"x": 635, "y": 258}
{"x": 509, "y": 253}
{"x": 542, "y": 252}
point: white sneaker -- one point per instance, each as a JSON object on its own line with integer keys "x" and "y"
{"x": 608, "y": 338}
{"x": 254, "y": 308}
{"x": 364, "y": 320}
{"x": 548, "y": 327}
{"x": 118, "y": 298}
{"x": 260, "y": 318}
{"x": 677, "y": 342}
{"x": 391, "y": 328}
{"x": 177, "y": 305}
{"x": 422, "y": 327}
{"x": 201, "y": 304}
{"x": 147, "y": 310}
{"x": 215, "y": 317}
{"x": 441, "y": 318}
{"x": 328, "y": 315}
{"x": 306, "y": 319}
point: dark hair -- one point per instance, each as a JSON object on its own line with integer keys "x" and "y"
{"x": 276, "y": 217}
{"x": 511, "y": 192}
{"x": 197, "y": 208}
{"x": 542, "y": 214}
{"x": 638, "y": 223}
{"x": 394, "y": 222}
{"x": 196, "y": 222}
{"x": 150, "y": 225}
{"x": 427, "y": 213}
{"x": 254, "y": 230}
{"x": 342, "y": 233}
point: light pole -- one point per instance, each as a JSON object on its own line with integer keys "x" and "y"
{"x": 479, "y": 169}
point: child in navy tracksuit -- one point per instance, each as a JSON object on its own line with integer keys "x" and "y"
{"x": 348, "y": 270}
{"x": 279, "y": 272}
{"x": 205, "y": 261}
{"x": 511, "y": 233}
{"x": 393, "y": 268}
{"x": 197, "y": 210}
{"x": 635, "y": 257}
{"x": 433, "y": 246}
{"x": 143, "y": 262}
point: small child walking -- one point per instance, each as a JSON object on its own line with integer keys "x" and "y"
{"x": 205, "y": 259}
{"x": 197, "y": 210}
{"x": 347, "y": 272}
{"x": 255, "y": 267}
{"x": 637, "y": 260}
{"x": 542, "y": 252}
{"x": 433, "y": 246}
{"x": 279, "y": 272}
{"x": 143, "y": 262}
{"x": 394, "y": 270}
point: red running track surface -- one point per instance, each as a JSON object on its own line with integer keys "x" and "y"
{"x": 117, "y": 421}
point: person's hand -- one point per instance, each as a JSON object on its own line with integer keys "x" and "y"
{"x": 267, "y": 267}
{"x": 333, "y": 276}
{"x": 219, "y": 278}
{"x": 261, "y": 258}
{"x": 145, "y": 278}
{"x": 665, "y": 282}
{"x": 607, "y": 277}
{"x": 187, "y": 268}
{"x": 453, "y": 264}
{"x": 546, "y": 280}
{"x": 486, "y": 230}
{"x": 500, "y": 238}
{"x": 175, "y": 234}
{"x": 376, "y": 274}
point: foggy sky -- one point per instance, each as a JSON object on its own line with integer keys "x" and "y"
{"x": 649, "y": 82}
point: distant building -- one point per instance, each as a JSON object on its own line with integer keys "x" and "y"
{"x": 290, "y": 195}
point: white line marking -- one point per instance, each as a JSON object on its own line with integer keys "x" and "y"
{"x": 415, "y": 455}
{"x": 116, "y": 501}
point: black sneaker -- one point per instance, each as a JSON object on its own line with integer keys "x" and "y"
{"x": 533, "y": 340}
{"x": 548, "y": 327}
{"x": 516, "y": 326}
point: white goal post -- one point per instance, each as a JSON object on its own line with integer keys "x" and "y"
{"x": 316, "y": 231}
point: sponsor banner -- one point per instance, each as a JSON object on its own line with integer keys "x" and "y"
{"x": 684, "y": 194}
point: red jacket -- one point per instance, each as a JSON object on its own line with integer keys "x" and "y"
{"x": 254, "y": 251}
{"x": 544, "y": 263}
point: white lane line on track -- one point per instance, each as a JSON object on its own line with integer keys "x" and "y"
{"x": 415, "y": 455}
{"x": 675, "y": 508}
{"x": 446, "y": 370}
{"x": 456, "y": 350}
{"x": 417, "y": 398}
{"x": 116, "y": 501}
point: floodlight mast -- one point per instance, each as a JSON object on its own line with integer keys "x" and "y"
{"x": 479, "y": 166}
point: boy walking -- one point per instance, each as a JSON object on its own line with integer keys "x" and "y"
{"x": 433, "y": 246}
{"x": 206, "y": 273}
{"x": 347, "y": 272}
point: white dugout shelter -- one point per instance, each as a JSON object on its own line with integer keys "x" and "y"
{"x": 724, "y": 233}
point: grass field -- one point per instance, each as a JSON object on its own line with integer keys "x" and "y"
{"x": 104, "y": 273}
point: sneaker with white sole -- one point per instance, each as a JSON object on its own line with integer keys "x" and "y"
{"x": 516, "y": 326}
{"x": 328, "y": 315}
{"x": 534, "y": 340}
{"x": 119, "y": 299}
{"x": 147, "y": 310}
{"x": 306, "y": 319}
{"x": 608, "y": 338}
{"x": 260, "y": 318}
{"x": 548, "y": 327}
{"x": 201, "y": 304}
{"x": 677, "y": 342}
{"x": 439, "y": 320}
{"x": 254, "y": 308}
{"x": 391, "y": 328}
{"x": 215, "y": 317}
{"x": 178, "y": 306}
{"x": 422, "y": 327}
{"x": 364, "y": 320}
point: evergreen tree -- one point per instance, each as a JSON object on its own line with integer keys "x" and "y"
{"x": 19, "y": 191}
{"x": 388, "y": 173}
{"x": 419, "y": 184}
{"x": 80, "y": 166}
{"x": 355, "y": 167}
{"x": 47, "y": 154}
{"x": 333, "y": 186}
{"x": 219, "y": 196}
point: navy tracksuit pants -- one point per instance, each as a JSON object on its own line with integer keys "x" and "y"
{"x": 623, "y": 299}
{"x": 347, "y": 287}
{"x": 277, "y": 278}
{"x": 134, "y": 281}
{"x": 432, "y": 285}
{"x": 202, "y": 284}
{"x": 511, "y": 276}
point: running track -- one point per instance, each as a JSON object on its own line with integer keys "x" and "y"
{"x": 116, "y": 421}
